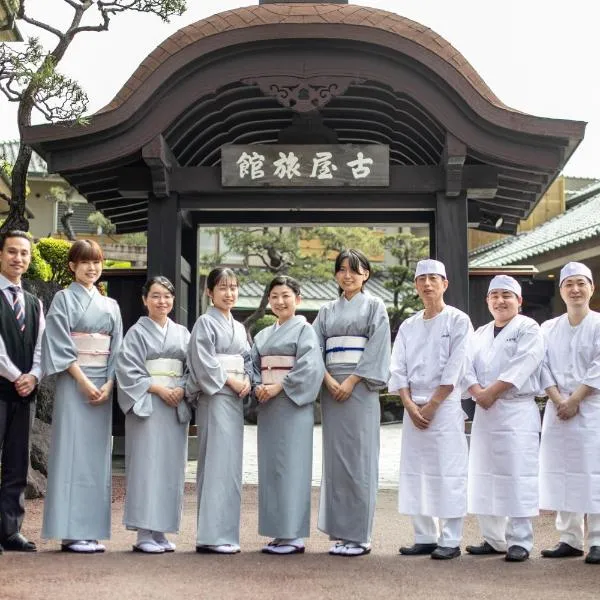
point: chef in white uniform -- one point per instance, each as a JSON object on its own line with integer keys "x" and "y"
{"x": 503, "y": 377}
{"x": 570, "y": 449}
{"x": 428, "y": 365}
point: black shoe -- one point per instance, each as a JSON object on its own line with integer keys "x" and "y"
{"x": 418, "y": 549}
{"x": 18, "y": 543}
{"x": 593, "y": 556}
{"x": 562, "y": 550}
{"x": 516, "y": 554}
{"x": 445, "y": 553}
{"x": 483, "y": 548}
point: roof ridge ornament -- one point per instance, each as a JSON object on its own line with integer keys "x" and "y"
{"x": 302, "y": 2}
{"x": 302, "y": 94}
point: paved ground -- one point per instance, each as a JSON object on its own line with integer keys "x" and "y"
{"x": 122, "y": 574}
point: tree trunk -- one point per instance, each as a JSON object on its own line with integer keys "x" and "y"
{"x": 260, "y": 311}
{"x": 16, "y": 218}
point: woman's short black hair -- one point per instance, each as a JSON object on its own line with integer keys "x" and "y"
{"x": 287, "y": 281}
{"x": 160, "y": 280}
{"x": 217, "y": 274}
{"x": 356, "y": 260}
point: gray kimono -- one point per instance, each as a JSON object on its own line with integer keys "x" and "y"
{"x": 220, "y": 421}
{"x": 78, "y": 500}
{"x": 155, "y": 434}
{"x": 351, "y": 428}
{"x": 285, "y": 430}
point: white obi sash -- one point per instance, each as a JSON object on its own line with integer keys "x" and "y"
{"x": 233, "y": 365}
{"x": 344, "y": 349}
{"x": 273, "y": 369}
{"x": 164, "y": 370}
{"x": 92, "y": 348}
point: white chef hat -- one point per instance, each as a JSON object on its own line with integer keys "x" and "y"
{"x": 505, "y": 282}
{"x": 575, "y": 268}
{"x": 430, "y": 267}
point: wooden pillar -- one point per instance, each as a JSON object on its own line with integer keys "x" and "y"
{"x": 451, "y": 247}
{"x": 164, "y": 247}
{"x": 189, "y": 251}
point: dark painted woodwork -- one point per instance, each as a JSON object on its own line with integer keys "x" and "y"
{"x": 164, "y": 241}
{"x": 302, "y": 94}
{"x": 451, "y": 247}
{"x": 159, "y": 158}
{"x": 480, "y": 181}
{"x": 189, "y": 252}
{"x": 453, "y": 160}
{"x": 312, "y": 217}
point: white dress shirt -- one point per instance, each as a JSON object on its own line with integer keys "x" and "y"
{"x": 8, "y": 369}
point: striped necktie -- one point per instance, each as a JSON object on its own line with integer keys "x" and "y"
{"x": 18, "y": 307}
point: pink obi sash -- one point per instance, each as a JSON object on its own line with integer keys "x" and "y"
{"x": 274, "y": 368}
{"x": 92, "y": 348}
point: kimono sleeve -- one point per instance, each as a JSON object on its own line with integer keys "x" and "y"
{"x": 319, "y": 326}
{"x": 592, "y": 374}
{"x": 133, "y": 379}
{"x": 206, "y": 374}
{"x": 374, "y": 365}
{"x": 58, "y": 350}
{"x": 398, "y": 367}
{"x": 460, "y": 336}
{"x": 528, "y": 356}
{"x": 303, "y": 382}
{"x": 256, "y": 378}
{"x": 116, "y": 339}
{"x": 547, "y": 379}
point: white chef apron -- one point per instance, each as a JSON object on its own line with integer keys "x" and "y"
{"x": 503, "y": 458}
{"x": 434, "y": 461}
{"x": 93, "y": 349}
{"x": 570, "y": 459}
{"x": 274, "y": 368}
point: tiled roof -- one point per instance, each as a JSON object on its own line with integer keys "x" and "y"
{"x": 576, "y": 224}
{"x": 37, "y": 166}
{"x": 309, "y": 13}
{"x": 314, "y": 293}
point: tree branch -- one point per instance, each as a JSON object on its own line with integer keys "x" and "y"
{"x": 59, "y": 34}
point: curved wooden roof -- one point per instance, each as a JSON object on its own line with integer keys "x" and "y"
{"x": 409, "y": 88}
{"x": 319, "y": 14}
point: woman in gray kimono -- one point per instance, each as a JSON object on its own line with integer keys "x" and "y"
{"x": 83, "y": 335}
{"x": 354, "y": 333}
{"x": 219, "y": 380}
{"x": 288, "y": 371}
{"x": 151, "y": 377}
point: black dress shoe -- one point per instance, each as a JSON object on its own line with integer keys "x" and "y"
{"x": 17, "y": 542}
{"x": 516, "y": 554}
{"x": 418, "y": 549}
{"x": 562, "y": 550}
{"x": 445, "y": 553}
{"x": 482, "y": 549}
{"x": 593, "y": 556}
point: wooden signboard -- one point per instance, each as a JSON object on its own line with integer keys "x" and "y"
{"x": 264, "y": 165}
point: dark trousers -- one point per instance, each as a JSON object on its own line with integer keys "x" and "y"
{"x": 15, "y": 426}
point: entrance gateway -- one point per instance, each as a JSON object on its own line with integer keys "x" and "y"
{"x": 298, "y": 73}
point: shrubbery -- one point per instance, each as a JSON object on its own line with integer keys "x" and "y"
{"x": 55, "y": 253}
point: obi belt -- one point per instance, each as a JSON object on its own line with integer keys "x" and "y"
{"x": 164, "y": 370}
{"x": 274, "y": 368}
{"x": 233, "y": 365}
{"x": 345, "y": 349}
{"x": 92, "y": 348}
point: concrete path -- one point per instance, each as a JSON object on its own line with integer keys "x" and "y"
{"x": 120, "y": 574}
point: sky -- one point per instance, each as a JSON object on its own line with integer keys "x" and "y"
{"x": 538, "y": 56}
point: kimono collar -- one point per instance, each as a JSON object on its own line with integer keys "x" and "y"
{"x": 154, "y": 328}
{"x": 216, "y": 314}
{"x": 81, "y": 293}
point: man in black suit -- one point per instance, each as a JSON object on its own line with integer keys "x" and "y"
{"x": 21, "y": 328}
